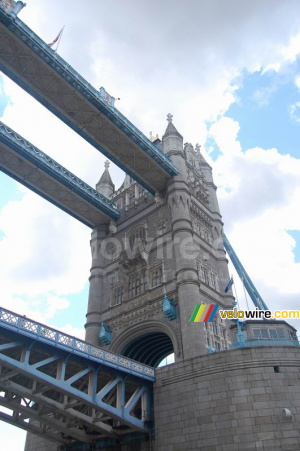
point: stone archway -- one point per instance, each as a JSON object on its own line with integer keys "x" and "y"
{"x": 148, "y": 342}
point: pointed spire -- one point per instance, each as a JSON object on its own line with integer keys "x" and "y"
{"x": 172, "y": 139}
{"x": 105, "y": 185}
{"x": 171, "y": 130}
{"x": 200, "y": 157}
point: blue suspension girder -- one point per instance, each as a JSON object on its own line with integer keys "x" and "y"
{"x": 34, "y": 66}
{"x": 249, "y": 285}
{"x": 36, "y": 170}
{"x": 69, "y": 389}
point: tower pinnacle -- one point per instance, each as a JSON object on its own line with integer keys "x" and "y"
{"x": 172, "y": 139}
{"x": 105, "y": 185}
{"x": 170, "y": 117}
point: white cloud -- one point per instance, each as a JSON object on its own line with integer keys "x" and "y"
{"x": 32, "y": 264}
{"x": 259, "y": 191}
{"x": 292, "y": 50}
{"x": 262, "y": 96}
{"x": 295, "y": 112}
{"x": 184, "y": 60}
{"x": 71, "y": 330}
{"x": 55, "y": 303}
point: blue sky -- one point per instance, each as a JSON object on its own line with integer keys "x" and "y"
{"x": 263, "y": 109}
{"x": 234, "y": 91}
{"x": 4, "y": 99}
{"x": 9, "y": 190}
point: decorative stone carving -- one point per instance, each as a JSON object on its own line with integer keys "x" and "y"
{"x": 129, "y": 261}
{"x": 190, "y": 153}
{"x": 112, "y": 227}
{"x": 158, "y": 199}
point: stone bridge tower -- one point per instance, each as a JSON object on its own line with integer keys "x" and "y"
{"x": 149, "y": 271}
{"x": 163, "y": 248}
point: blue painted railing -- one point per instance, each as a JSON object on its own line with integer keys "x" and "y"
{"x": 33, "y": 154}
{"x": 266, "y": 342}
{"x": 25, "y": 326}
{"x": 77, "y": 82}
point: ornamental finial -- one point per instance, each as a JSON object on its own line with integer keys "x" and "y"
{"x": 198, "y": 147}
{"x": 169, "y": 118}
{"x": 106, "y": 164}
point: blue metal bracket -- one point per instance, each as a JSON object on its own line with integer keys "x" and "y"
{"x": 105, "y": 334}
{"x": 169, "y": 308}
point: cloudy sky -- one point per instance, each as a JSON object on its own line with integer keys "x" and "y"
{"x": 229, "y": 72}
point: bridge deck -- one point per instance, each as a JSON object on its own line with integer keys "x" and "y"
{"x": 36, "y": 170}
{"x": 32, "y": 64}
{"x": 68, "y": 389}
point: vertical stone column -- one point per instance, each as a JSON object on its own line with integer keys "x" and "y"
{"x": 136, "y": 191}
{"x": 126, "y": 198}
{"x": 96, "y": 286}
{"x": 178, "y": 198}
{"x": 222, "y": 262}
{"x": 212, "y": 189}
{"x": 193, "y": 337}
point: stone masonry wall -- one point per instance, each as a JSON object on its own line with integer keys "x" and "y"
{"x": 227, "y": 401}
{"x": 35, "y": 443}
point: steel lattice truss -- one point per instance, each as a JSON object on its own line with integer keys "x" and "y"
{"x": 36, "y": 170}
{"x": 32, "y": 64}
{"x": 67, "y": 390}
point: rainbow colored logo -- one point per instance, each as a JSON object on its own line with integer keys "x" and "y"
{"x": 204, "y": 313}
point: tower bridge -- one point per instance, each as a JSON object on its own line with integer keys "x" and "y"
{"x": 157, "y": 252}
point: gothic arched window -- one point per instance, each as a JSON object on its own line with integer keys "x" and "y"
{"x": 118, "y": 295}
{"x": 137, "y": 283}
{"x": 156, "y": 277}
{"x": 138, "y": 234}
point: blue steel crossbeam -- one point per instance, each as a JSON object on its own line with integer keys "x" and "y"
{"x": 36, "y": 170}
{"x": 34, "y": 66}
{"x": 249, "y": 285}
{"x": 69, "y": 389}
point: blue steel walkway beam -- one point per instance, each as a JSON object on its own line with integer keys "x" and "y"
{"x": 33, "y": 65}
{"x": 249, "y": 285}
{"x": 70, "y": 390}
{"x": 43, "y": 175}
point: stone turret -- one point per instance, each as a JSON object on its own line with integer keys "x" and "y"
{"x": 105, "y": 185}
{"x": 206, "y": 170}
{"x": 172, "y": 139}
